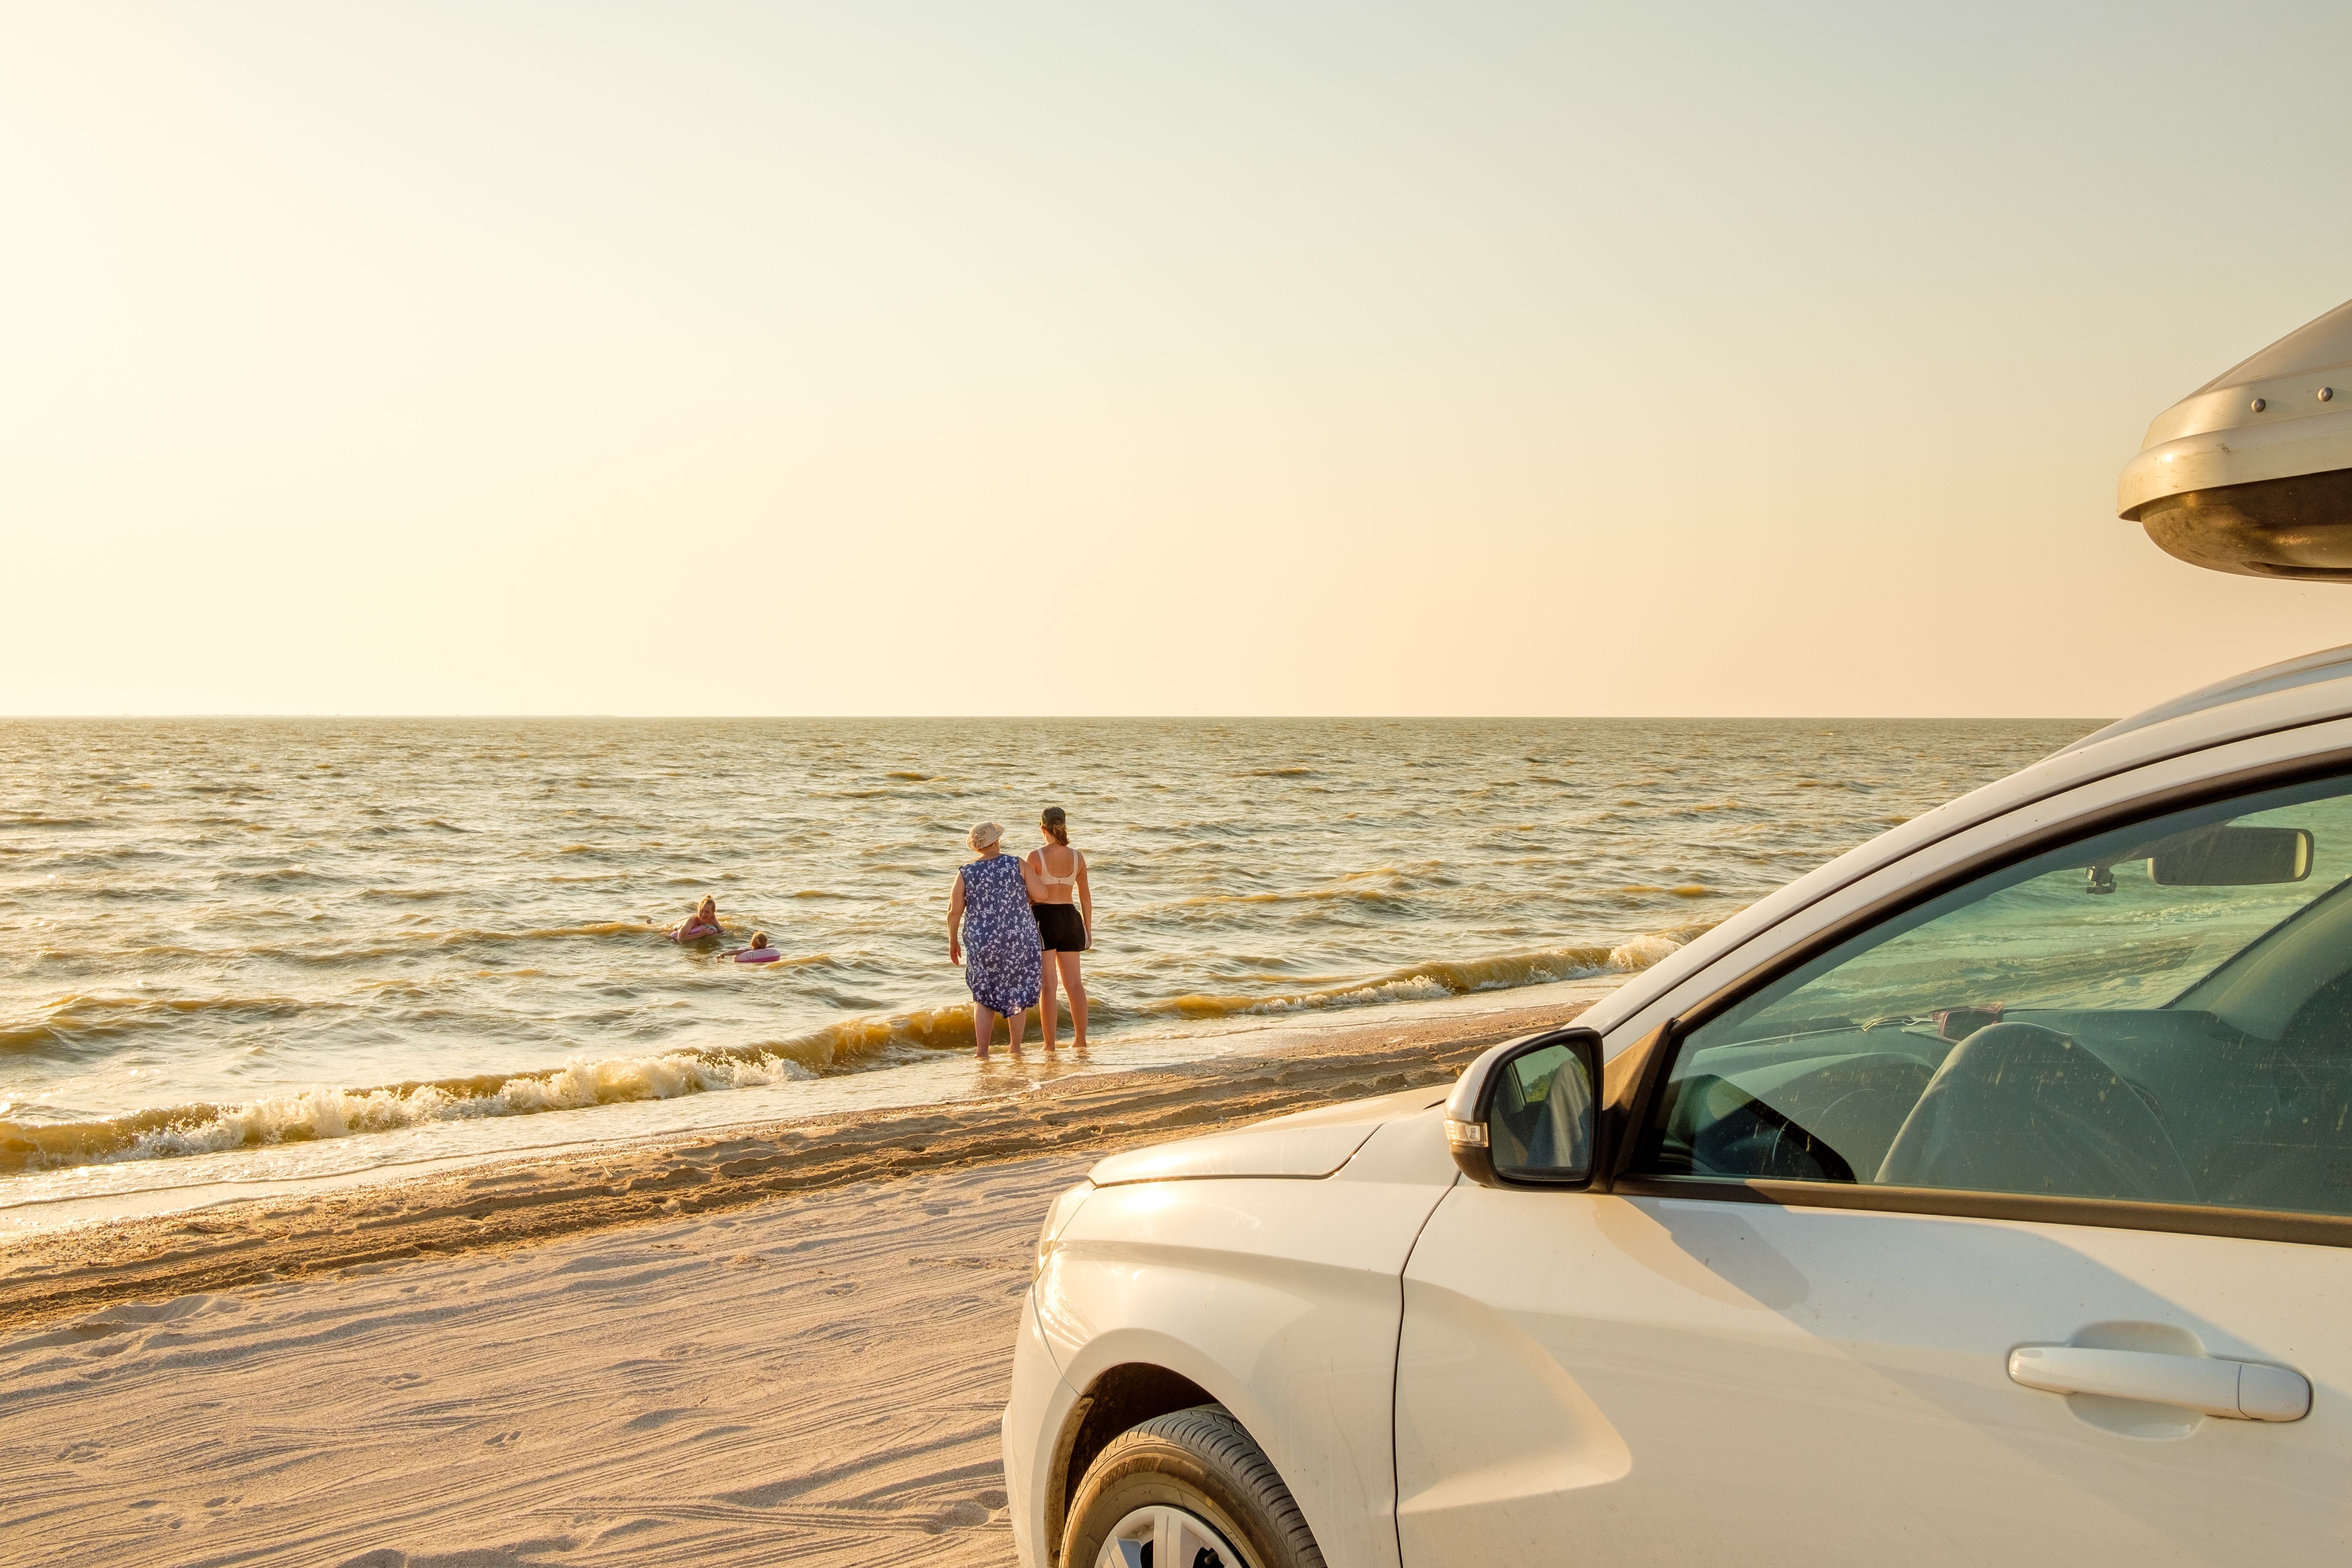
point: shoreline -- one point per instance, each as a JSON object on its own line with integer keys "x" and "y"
{"x": 498, "y": 1203}
{"x": 107, "y": 1189}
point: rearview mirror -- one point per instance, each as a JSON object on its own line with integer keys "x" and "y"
{"x": 1527, "y": 1113}
{"x": 2229, "y": 855}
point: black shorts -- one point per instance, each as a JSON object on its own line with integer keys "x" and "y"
{"x": 1059, "y": 929}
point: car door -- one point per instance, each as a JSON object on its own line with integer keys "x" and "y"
{"x": 2007, "y": 1221}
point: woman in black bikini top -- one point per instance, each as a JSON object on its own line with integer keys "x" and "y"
{"x": 1066, "y": 923}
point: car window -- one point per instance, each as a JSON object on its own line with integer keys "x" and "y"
{"x": 2160, "y": 1013}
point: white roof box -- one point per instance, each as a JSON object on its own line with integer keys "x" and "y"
{"x": 2252, "y": 473}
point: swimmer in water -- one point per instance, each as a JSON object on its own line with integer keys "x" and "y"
{"x": 702, "y": 922}
{"x": 758, "y": 952}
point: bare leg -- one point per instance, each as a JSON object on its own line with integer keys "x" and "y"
{"x": 1017, "y": 1023}
{"x": 983, "y": 1028}
{"x": 1049, "y": 1007}
{"x": 1069, "y": 964}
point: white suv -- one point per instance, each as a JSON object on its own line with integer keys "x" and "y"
{"x": 1984, "y": 1197}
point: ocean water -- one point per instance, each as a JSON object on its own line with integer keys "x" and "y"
{"x": 243, "y": 950}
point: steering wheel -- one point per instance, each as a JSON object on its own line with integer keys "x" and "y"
{"x": 2017, "y": 1108}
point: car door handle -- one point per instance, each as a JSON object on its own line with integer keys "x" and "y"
{"x": 2240, "y": 1390}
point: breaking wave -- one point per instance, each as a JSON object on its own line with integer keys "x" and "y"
{"x": 1435, "y": 980}
{"x": 849, "y": 1045}
{"x": 166, "y": 1131}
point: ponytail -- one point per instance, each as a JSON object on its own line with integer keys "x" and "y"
{"x": 1056, "y": 822}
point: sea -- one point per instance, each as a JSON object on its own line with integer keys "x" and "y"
{"x": 240, "y": 953}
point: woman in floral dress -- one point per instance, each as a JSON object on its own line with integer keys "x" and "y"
{"x": 989, "y": 914}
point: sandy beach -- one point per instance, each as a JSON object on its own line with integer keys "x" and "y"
{"x": 786, "y": 1343}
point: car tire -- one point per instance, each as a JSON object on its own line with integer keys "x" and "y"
{"x": 1195, "y": 1475}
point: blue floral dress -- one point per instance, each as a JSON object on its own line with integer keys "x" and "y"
{"x": 1000, "y": 936}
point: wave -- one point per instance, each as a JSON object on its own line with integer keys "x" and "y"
{"x": 281, "y": 876}
{"x": 376, "y": 944}
{"x": 317, "y": 1113}
{"x": 1433, "y": 981}
{"x": 392, "y": 943}
{"x": 1360, "y": 895}
{"x": 850, "y": 1044}
{"x": 72, "y": 1019}
{"x": 168, "y": 1131}
{"x": 1356, "y": 887}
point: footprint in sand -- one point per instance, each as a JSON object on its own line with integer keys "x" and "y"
{"x": 844, "y": 1288}
{"x": 962, "y": 1516}
{"x": 502, "y": 1439}
{"x": 655, "y": 1418}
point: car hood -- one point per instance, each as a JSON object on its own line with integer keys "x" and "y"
{"x": 1304, "y": 1144}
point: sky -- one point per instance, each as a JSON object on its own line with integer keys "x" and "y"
{"x": 498, "y": 356}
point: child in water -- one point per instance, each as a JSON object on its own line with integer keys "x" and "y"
{"x": 702, "y": 922}
{"x": 758, "y": 952}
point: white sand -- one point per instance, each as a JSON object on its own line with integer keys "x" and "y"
{"x": 812, "y": 1380}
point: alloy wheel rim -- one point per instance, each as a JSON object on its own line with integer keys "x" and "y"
{"x": 1164, "y": 1537}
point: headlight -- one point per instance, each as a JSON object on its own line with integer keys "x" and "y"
{"x": 1055, "y": 1218}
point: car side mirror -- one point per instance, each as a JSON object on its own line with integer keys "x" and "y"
{"x": 1528, "y": 1113}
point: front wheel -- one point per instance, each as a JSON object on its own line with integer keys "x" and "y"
{"x": 1186, "y": 1491}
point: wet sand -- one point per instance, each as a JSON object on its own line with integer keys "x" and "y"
{"x": 787, "y": 1345}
